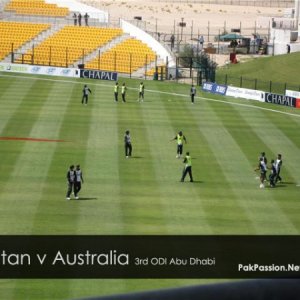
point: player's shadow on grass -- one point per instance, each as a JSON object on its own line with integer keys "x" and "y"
{"x": 193, "y": 182}
{"x": 136, "y": 157}
{"x": 284, "y": 184}
{"x": 87, "y": 198}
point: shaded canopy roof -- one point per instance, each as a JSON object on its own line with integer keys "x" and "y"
{"x": 231, "y": 36}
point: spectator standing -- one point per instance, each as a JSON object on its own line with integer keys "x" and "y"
{"x": 75, "y": 19}
{"x": 172, "y": 39}
{"x": 79, "y": 19}
{"x": 86, "y": 19}
{"x": 201, "y": 42}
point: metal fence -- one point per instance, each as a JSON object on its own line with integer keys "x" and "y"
{"x": 129, "y": 64}
{"x": 257, "y": 84}
{"x": 192, "y": 32}
{"x": 187, "y": 69}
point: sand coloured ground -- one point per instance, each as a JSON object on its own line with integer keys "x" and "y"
{"x": 201, "y": 19}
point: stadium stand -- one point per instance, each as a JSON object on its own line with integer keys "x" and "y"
{"x": 15, "y": 34}
{"x": 126, "y": 57}
{"x": 70, "y": 44}
{"x": 160, "y": 69}
{"x": 36, "y": 7}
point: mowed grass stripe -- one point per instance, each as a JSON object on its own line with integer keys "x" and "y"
{"x": 100, "y": 202}
{"x": 101, "y": 172}
{"x": 223, "y": 152}
{"x": 18, "y": 124}
{"x": 11, "y": 98}
{"x": 222, "y": 209}
{"x": 183, "y": 213}
{"x": 26, "y": 174}
{"x": 174, "y": 203}
{"x": 139, "y": 192}
{"x": 258, "y": 204}
{"x": 275, "y": 137}
{"x": 285, "y": 141}
{"x": 53, "y": 209}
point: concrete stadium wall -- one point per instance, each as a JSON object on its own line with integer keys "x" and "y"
{"x": 76, "y": 6}
{"x": 280, "y": 38}
{"x": 147, "y": 39}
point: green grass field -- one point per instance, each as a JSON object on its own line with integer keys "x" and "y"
{"x": 141, "y": 195}
{"x": 280, "y": 69}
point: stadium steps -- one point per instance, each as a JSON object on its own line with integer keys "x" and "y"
{"x": 3, "y": 4}
{"x": 103, "y": 49}
{"x": 141, "y": 71}
{"x": 68, "y": 20}
{"x": 95, "y": 22}
{"x": 40, "y": 38}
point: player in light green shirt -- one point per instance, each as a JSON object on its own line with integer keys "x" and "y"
{"x": 123, "y": 92}
{"x": 187, "y": 167}
{"x": 141, "y": 92}
{"x": 116, "y": 91}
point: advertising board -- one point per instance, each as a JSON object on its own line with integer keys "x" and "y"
{"x": 39, "y": 70}
{"x": 245, "y": 93}
{"x": 98, "y": 74}
{"x": 280, "y": 99}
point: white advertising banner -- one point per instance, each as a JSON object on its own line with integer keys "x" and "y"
{"x": 293, "y": 94}
{"x": 245, "y": 93}
{"x": 39, "y": 70}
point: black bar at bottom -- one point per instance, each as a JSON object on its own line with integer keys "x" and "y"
{"x": 149, "y": 257}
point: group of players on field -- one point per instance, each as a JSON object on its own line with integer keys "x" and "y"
{"x": 274, "y": 167}
{"x": 75, "y": 178}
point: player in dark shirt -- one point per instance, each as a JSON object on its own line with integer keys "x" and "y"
{"x": 193, "y": 93}
{"x": 128, "y": 145}
{"x": 263, "y": 156}
{"x": 78, "y": 181}
{"x": 85, "y": 94}
{"x": 278, "y": 165}
{"x": 71, "y": 177}
{"x": 273, "y": 173}
{"x": 262, "y": 167}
